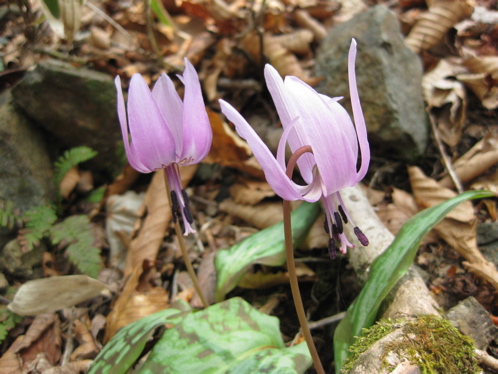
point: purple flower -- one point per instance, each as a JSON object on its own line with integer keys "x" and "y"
{"x": 312, "y": 119}
{"x": 162, "y": 132}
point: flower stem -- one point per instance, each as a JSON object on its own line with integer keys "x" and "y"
{"x": 183, "y": 248}
{"x": 291, "y": 266}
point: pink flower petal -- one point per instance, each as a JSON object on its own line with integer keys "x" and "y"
{"x": 171, "y": 107}
{"x": 197, "y": 133}
{"x": 151, "y": 140}
{"x": 274, "y": 173}
{"x": 359, "y": 120}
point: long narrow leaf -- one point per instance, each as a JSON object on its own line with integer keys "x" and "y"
{"x": 387, "y": 269}
{"x": 265, "y": 247}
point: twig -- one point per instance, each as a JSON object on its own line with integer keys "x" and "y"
{"x": 291, "y": 267}
{"x": 486, "y": 360}
{"x": 183, "y": 248}
{"x": 446, "y": 159}
{"x": 325, "y": 321}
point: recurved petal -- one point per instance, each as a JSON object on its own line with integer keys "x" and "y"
{"x": 152, "y": 142}
{"x": 289, "y": 117}
{"x": 321, "y": 128}
{"x": 197, "y": 133}
{"x": 274, "y": 173}
{"x": 359, "y": 120}
{"x": 171, "y": 107}
{"x": 123, "y": 120}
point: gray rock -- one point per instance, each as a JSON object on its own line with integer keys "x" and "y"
{"x": 473, "y": 320}
{"x": 389, "y": 79}
{"x": 26, "y": 172}
{"x": 76, "y": 105}
{"x": 22, "y": 264}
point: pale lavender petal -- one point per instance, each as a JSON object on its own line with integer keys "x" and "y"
{"x": 321, "y": 128}
{"x": 275, "y": 174}
{"x": 171, "y": 106}
{"x": 359, "y": 120}
{"x": 289, "y": 117}
{"x": 123, "y": 120}
{"x": 197, "y": 133}
{"x": 151, "y": 140}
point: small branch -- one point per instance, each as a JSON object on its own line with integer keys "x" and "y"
{"x": 291, "y": 267}
{"x": 446, "y": 159}
{"x": 183, "y": 248}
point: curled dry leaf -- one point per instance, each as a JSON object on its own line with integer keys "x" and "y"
{"x": 43, "y": 336}
{"x": 261, "y": 216}
{"x": 138, "y": 299}
{"x": 87, "y": 348}
{"x": 442, "y": 91}
{"x": 433, "y": 24}
{"x": 69, "y": 182}
{"x": 249, "y": 192}
{"x": 479, "y": 159}
{"x": 304, "y": 19}
{"x": 50, "y": 294}
{"x": 146, "y": 244}
{"x": 122, "y": 213}
{"x": 484, "y": 80}
{"x": 458, "y": 228}
{"x": 230, "y": 149}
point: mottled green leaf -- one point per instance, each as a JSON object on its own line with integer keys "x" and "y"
{"x": 266, "y": 247}
{"x": 53, "y": 7}
{"x": 120, "y": 353}
{"x": 387, "y": 269}
{"x": 229, "y": 337}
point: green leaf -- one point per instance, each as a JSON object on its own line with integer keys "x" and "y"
{"x": 39, "y": 220}
{"x": 229, "y": 337}
{"x": 119, "y": 354}
{"x": 53, "y": 7}
{"x": 70, "y": 158}
{"x": 8, "y": 320}
{"x": 161, "y": 12}
{"x": 387, "y": 269}
{"x": 9, "y": 217}
{"x": 77, "y": 233}
{"x": 266, "y": 247}
{"x": 96, "y": 195}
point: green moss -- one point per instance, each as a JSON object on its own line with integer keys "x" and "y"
{"x": 430, "y": 342}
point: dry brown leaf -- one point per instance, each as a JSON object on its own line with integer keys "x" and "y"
{"x": 487, "y": 182}
{"x": 138, "y": 299}
{"x": 458, "y": 228}
{"x": 87, "y": 348}
{"x": 317, "y": 237}
{"x": 479, "y": 159}
{"x": 48, "y": 264}
{"x": 483, "y": 270}
{"x": 123, "y": 182}
{"x": 206, "y": 274}
{"x": 47, "y": 295}
{"x": 304, "y": 19}
{"x": 43, "y": 336}
{"x": 229, "y": 149}
{"x": 484, "y": 81}
{"x": 249, "y": 192}
{"x": 442, "y": 91}
{"x": 261, "y": 216}
{"x": 296, "y": 42}
{"x": 433, "y": 24}
{"x": 10, "y": 362}
{"x": 69, "y": 182}
{"x": 149, "y": 239}
{"x": 216, "y": 66}
{"x": 70, "y": 368}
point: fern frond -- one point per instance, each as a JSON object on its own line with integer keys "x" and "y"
{"x": 9, "y": 217}
{"x": 70, "y": 158}
{"x": 38, "y": 220}
{"x": 77, "y": 232}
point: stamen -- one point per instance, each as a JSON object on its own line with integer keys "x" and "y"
{"x": 175, "y": 207}
{"x": 343, "y": 214}
{"x": 332, "y": 249}
{"x": 338, "y": 222}
{"x": 335, "y": 231}
{"x": 185, "y": 198}
{"x": 326, "y": 225}
{"x": 361, "y": 236}
{"x": 188, "y": 215}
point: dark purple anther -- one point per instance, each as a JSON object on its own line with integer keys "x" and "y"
{"x": 332, "y": 249}
{"x": 343, "y": 214}
{"x": 361, "y": 236}
{"x": 338, "y": 222}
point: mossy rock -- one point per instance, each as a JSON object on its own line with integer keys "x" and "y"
{"x": 429, "y": 342}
